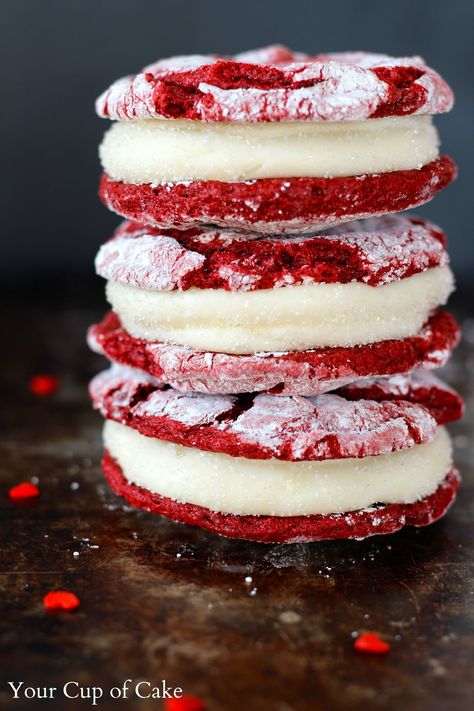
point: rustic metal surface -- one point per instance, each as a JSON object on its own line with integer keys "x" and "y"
{"x": 160, "y": 600}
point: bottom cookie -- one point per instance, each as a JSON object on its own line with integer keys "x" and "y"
{"x": 360, "y": 524}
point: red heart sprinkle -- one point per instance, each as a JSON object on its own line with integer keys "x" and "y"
{"x": 25, "y": 490}
{"x": 60, "y": 600}
{"x": 43, "y": 385}
{"x": 185, "y": 703}
{"x": 371, "y": 643}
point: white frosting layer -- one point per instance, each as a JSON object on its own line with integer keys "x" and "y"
{"x": 277, "y": 488}
{"x": 154, "y": 151}
{"x": 288, "y": 318}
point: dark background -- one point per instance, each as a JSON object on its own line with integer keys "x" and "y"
{"x": 58, "y": 56}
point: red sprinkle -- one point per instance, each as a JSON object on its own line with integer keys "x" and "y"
{"x": 25, "y": 490}
{"x": 371, "y": 643}
{"x": 43, "y": 385}
{"x": 61, "y": 600}
{"x": 185, "y": 703}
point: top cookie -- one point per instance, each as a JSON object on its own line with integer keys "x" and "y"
{"x": 277, "y": 84}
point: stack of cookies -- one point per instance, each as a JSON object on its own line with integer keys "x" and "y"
{"x": 273, "y": 322}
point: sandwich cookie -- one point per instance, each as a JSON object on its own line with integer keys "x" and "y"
{"x": 225, "y": 312}
{"x": 377, "y": 280}
{"x": 272, "y": 140}
{"x": 280, "y": 469}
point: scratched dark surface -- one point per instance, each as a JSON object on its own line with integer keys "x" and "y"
{"x": 160, "y": 600}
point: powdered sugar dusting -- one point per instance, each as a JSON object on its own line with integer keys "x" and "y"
{"x": 238, "y": 280}
{"x": 332, "y": 87}
{"x": 148, "y": 261}
{"x": 375, "y": 251}
{"x": 290, "y": 428}
{"x": 124, "y": 382}
{"x": 312, "y": 424}
{"x": 340, "y": 92}
{"x": 127, "y": 99}
{"x": 190, "y": 409}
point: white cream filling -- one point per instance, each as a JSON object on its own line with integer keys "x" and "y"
{"x": 277, "y": 488}
{"x": 288, "y": 318}
{"x": 150, "y": 151}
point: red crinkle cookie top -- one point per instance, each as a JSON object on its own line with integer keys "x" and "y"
{"x": 264, "y": 426}
{"x": 374, "y": 251}
{"x": 277, "y": 84}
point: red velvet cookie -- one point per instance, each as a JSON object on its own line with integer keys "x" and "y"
{"x": 376, "y": 520}
{"x": 304, "y": 372}
{"x": 274, "y": 85}
{"x": 375, "y": 252}
{"x": 291, "y": 429}
{"x": 276, "y": 205}
{"x": 262, "y": 426}
{"x": 277, "y": 84}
